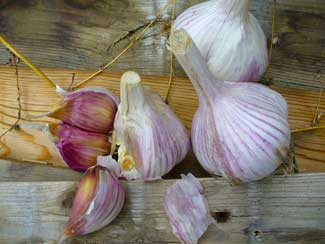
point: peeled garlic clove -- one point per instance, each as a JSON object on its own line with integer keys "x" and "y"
{"x": 98, "y": 201}
{"x": 79, "y": 149}
{"x": 229, "y": 38}
{"x": 152, "y": 139}
{"x": 187, "y": 209}
{"x": 240, "y": 130}
{"x": 90, "y": 109}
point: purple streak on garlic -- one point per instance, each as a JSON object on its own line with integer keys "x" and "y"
{"x": 90, "y": 109}
{"x": 98, "y": 201}
{"x": 79, "y": 149}
{"x": 152, "y": 139}
{"x": 229, "y": 38}
{"x": 240, "y": 130}
{"x": 187, "y": 209}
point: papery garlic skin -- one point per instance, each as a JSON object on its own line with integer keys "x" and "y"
{"x": 98, "y": 201}
{"x": 79, "y": 149}
{"x": 152, "y": 139}
{"x": 240, "y": 130}
{"x": 90, "y": 109}
{"x": 229, "y": 38}
{"x": 187, "y": 209}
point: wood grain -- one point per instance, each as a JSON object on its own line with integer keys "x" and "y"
{"x": 84, "y": 34}
{"x": 11, "y": 170}
{"x": 33, "y": 145}
{"x": 281, "y": 209}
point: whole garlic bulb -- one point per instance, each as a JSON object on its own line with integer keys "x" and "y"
{"x": 152, "y": 139}
{"x": 229, "y": 38}
{"x": 240, "y": 130}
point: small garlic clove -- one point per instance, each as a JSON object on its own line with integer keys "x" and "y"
{"x": 152, "y": 139}
{"x": 228, "y": 37}
{"x": 98, "y": 200}
{"x": 240, "y": 130}
{"x": 79, "y": 149}
{"x": 90, "y": 109}
{"x": 187, "y": 209}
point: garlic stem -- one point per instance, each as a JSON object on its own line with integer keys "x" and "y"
{"x": 131, "y": 90}
{"x": 194, "y": 65}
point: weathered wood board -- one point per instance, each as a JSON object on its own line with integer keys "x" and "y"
{"x": 38, "y": 97}
{"x": 84, "y": 34}
{"x": 281, "y": 209}
{"x": 11, "y": 171}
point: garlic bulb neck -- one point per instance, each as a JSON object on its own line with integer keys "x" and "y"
{"x": 232, "y": 8}
{"x": 194, "y": 65}
{"x": 132, "y": 93}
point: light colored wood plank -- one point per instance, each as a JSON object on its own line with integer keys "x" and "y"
{"x": 281, "y": 209}
{"x": 39, "y": 97}
{"x": 84, "y": 34}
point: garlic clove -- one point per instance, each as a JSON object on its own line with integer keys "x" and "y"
{"x": 187, "y": 209}
{"x": 240, "y": 130}
{"x": 229, "y": 38}
{"x": 79, "y": 149}
{"x": 152, "y": 139}
{"x": 90, "y": 109}
{"x": 98, "y": 201}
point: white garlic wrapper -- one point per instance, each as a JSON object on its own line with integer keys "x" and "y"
{"x": 152, "y": 139}
{"x": 240, "y": 130}
{"x": 187, "y": 209}
{"x": 229, "y": 38}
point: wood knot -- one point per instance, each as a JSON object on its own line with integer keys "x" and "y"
{"x": 68, "y": 200}
{"x": 221, "y": 217}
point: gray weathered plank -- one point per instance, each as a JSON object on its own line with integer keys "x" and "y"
{"x": 280, "y": 209}
{"x": 11, "y": 170}
{"x": 84, "y": 34}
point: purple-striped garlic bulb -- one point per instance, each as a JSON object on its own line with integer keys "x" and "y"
{"x": 240, "y": 130}
{"x": 89, "y": 109}
{"x": 151, "y": 137}
{"x": 78, "y": 148}
{"x": 98, "y": 200}
{"x": 229, "y": 38}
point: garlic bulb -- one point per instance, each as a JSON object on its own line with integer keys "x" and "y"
{"x": 240, "y": 130}
{"x": 79, "y": 149}
{"x": 187, "y": 209}
{"x": 90, "y": 109}
{"x": 229, "y": 38}
{"x": 98, "y": 201}
{"x": 152, "y": 139}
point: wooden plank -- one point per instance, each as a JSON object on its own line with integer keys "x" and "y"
{"x": 11, "y": 170}
{"x": 84, "y": 34}
{"x": 281, "y": 209}
{"x": 33, "y": 145}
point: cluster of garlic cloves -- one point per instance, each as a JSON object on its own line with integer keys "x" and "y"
{"x": 240, "y": 130}
{"x": 87, "y": 119}
{"x": 151, "y": 137}
{"x": 229, "y": 38}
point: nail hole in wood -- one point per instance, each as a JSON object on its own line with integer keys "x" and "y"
{"x": 257, "y": 233}
{"x": 221, "y": 217}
